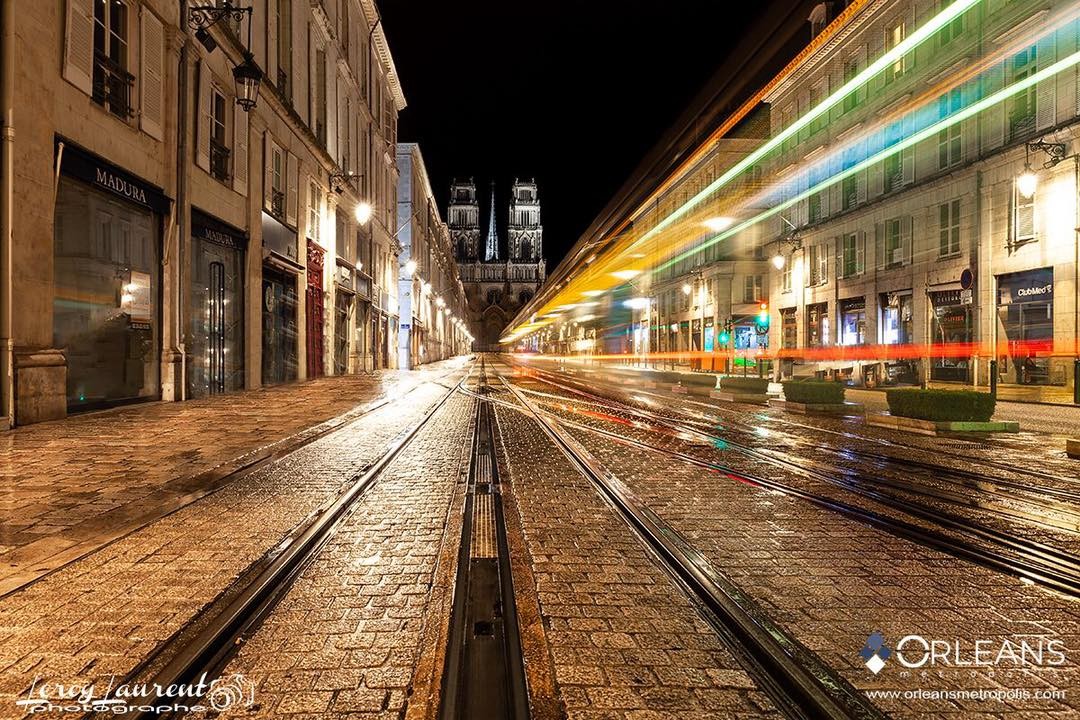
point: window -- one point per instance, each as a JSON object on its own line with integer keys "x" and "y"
{"x": 1023, "y": 217}
{"x": 112, "y": 82}
{"x": 284, "y": 47}
{"x": 849, "y": 193}
{"x": 319, "y": 95}
{"x": 752, "y": 289}
{"x": 314, "y": 210}
{"x": 819, "y": 267}
{"x": 894, "y": 172}
{"x": 949, "y": 229}
{"x": 949, "y": 139}
{"x": 952, "y": 29}
{"x": 219, "y": 150}
{"x": 851, "y": 69}
{"x": 893, "y": 37}
{"x": 785, "y": 275}
{"x": 1022, "y": 105}
{"x": 818, "y": 91}
{"x": 814, "y": 208}
{"x": 277, "y": 184}
{"x": 850, "y": 258}
{"x": 894, "y": 243}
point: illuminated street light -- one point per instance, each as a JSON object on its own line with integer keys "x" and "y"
{"x": 626, "y": 274}
{"x": 778, "y": 261}
{"x": 636, "y": 303}
{"x": 686, "y": 289}
{"x": 1027, "y": 182}
{"x": 410, "y": 267}
{"x": 363, "y": 212}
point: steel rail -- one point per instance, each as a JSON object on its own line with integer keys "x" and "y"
{"x": 800, "y": 683}
{"x": 1038, "y": 563}
{"x": 218, "y": 631}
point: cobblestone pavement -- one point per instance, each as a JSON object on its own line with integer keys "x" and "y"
{"x": 100, "y": 615}
{"x": 625, "y": 642}
{"x": 346, "y": 639}
{"x": 70, "y": 486}
{"x": 832, "y": 581}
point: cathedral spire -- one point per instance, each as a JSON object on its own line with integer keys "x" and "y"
{"x": 491, "y": 245}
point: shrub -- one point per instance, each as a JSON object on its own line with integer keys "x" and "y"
{"x": 941, "y": 405}
{"x": 814, "y": 392}
{"x": 744, "y": 385}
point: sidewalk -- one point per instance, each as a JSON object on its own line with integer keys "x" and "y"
{"x": 70, "y": 486}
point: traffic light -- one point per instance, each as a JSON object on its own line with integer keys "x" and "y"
{"x": 724, "y": 338}
{"x": 762, "y": 320}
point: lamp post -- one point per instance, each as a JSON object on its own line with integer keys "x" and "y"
{"x": 246, "y": 75}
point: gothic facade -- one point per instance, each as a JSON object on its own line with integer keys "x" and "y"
{"x": 499, "y": 278}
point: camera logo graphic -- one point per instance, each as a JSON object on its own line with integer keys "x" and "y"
{"x": 231, "y": 691}
{"x": 875, "y": 652}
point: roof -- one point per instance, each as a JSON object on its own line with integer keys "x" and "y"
{"x": 382, "y": 49}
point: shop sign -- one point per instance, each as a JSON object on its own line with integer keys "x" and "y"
{"x": 88, "y": 167}
{"x": 1024, "y": 287}
{"x": 967, "y": 297}
{"x": 945, "y": 298}
{"x": 850, "y": 304}
{"x": 212, "y": 230}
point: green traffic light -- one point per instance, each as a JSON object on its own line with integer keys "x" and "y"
{"x": 724, "y": 338}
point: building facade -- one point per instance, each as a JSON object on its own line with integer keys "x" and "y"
{"x": 167, "y": 243}
{"x": 431, "y": 296}
{"x": 498, "y": 282}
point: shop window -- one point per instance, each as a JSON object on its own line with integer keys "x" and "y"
{"x": 853, "y": 321}
{"x": 112, "y": 83}
{"x": 897, "y": 313}
{"x": 817, "y": 325}
{"x": 949, "y": 229}
{"x": 789, "y": 338}
{"x": 1021, "y": 106}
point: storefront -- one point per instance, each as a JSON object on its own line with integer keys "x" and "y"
{"x": 951, "y": 336}
{"x": 215, "y": 338}
{"x": 316, "y": 311}
{"x": 817, "y": 325}
{"x": 107, "y": 281}
{"x": 279, "y": 302}
{"x": 1026, "y": 323}
{"x": 853, "y": 321}
{"x": 897, "y": 329}
{"x": 344, "y": 295}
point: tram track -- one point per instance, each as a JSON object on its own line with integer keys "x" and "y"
{"x": 1029, "y": 560}
{"x": 796, "y": 679}
{"x": 202, "y": 647}
{"x": 1061, "y": 514}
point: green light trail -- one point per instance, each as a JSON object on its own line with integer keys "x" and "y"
{"x": 905, "y": 46}
{"x": 923, "y": 134}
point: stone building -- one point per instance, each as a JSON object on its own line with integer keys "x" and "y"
{"x": 165, "y": 242}
{"x": 431, "y": 297}
{"x": 499, "y": 278}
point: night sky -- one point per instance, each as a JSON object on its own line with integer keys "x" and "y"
{"x": 573, "y": 93}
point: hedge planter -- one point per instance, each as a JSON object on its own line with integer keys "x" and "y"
{"x": 941, "y": 405}
{"x": 742, "y": 389}
{"x": 843, "y": 408}
{"x": 814, "y": 392}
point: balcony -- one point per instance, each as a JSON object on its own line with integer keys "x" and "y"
{"x": 112, "y": 86}
{"x": 1021, "y": 125}
{"x": 219, "y": 160}
{"x": 277, "y": 203}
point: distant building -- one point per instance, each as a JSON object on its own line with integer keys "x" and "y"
{"x": 497, "y": 288}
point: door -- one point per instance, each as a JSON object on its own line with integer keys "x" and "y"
{"x": 315, "y": 310}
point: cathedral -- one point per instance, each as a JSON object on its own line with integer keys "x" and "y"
{"x": 499, "y": 279}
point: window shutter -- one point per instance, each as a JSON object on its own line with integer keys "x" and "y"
{"x": 240, "y": 150}
{"x": 839, "y": 243}
{"x": 906, "y": 240}
{"x": 875, "y": 179}
{"x": 265, "y": 49}
{"x": 907, "y": 165}
{"x": 860, "y": 186}
{"x": 300, "y": 66}
{"x": 993, "y": 133}
{"x": 860, "y": 252}
{"x": 879, "y": 246}
{"x": 1046, "y": 90}
{"x": 331, "y": 107}
{"x": 268, "y": 172}
{"x": 823, "y": 263}
{"x": 79, "y": 45}
{"x": 313, "y": 76}
{"x": 202, "y": 112}
{"x": 861, "y": 53}
{"x": 292, "y": 182}
{"x": 152, "y": 70}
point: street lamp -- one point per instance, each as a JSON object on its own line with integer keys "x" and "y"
{"x": 410, "y": 267}
{"x": 247, "y": 74}
{"x": 687, "y": 289}
{"x": 363, "y": 212}
{"x": 247, "y": 77}
{"x": 1027, "y": 182}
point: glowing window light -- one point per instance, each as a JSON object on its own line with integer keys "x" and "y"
{"x": 927, "y": 132}
{"x": 719, "y": 224}
{"x": 626, "y": 274}
{"x": 904, "y": 47}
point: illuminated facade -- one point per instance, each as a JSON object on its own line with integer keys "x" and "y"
{"x": 194, "y": 248}
{"x": 496, "y": 288}
{"x": 915, "y": 268}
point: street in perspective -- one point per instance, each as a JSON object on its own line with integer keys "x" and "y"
{"x": 506, "y": 360}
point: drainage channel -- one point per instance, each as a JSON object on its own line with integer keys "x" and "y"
{"x": 484, "y": 675}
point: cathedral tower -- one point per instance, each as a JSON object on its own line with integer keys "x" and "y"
{"x": 464, "y": 220}
{"x": 526, "y": 234}
{"x": 491, "y": 245}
